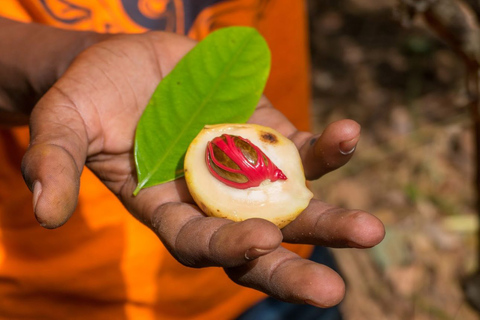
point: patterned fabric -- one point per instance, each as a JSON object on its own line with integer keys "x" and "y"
{"x": 103, "y": 264}
{"x": 117, "y": 15}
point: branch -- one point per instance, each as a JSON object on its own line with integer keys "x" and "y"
{"x": 452, "y": 20}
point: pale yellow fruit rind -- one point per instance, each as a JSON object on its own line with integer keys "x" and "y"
{"x": 279, "y": 202}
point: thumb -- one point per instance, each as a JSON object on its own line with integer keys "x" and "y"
{"x": 331, "y": 150}
{"x": 54, "y": 160}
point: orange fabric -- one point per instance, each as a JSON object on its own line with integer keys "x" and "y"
{"x": 103, "y": 264}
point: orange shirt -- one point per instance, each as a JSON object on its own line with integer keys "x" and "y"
{"x": 103, "y": 264}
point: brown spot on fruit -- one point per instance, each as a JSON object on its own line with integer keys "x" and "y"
{"x": 268, "y": 137}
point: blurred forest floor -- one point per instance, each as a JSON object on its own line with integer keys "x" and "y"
{"x": 413, "y": 167}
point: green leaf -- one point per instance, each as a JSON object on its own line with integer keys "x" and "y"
{"x": 220, "y": 80}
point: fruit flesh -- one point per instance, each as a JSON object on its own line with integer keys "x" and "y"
{"x": 279, "y": 202}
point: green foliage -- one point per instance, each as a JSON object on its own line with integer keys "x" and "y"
{"x": 221, "y": 80}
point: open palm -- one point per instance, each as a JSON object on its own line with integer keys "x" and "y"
{"x": 89, "y": 118}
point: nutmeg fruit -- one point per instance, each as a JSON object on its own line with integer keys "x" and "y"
{"x": 242, "y": 171}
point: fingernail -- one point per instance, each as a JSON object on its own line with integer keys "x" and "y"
{"x": 348, "y": 147}
{"x": 254, "y": 253}
{"x": 37, "y": 190}
{"x": 355, "y": 245}
{"x": 313, "y": 303}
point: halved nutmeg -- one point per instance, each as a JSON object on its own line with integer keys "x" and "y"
{"x": 242, "y": 171}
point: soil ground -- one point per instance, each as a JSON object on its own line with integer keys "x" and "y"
{"x": 413, "y": 167}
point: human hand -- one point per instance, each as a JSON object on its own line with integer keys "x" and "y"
{"x": 89, "y": 118}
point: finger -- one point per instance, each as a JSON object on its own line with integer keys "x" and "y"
{"x": 199, "y": 241}
{"x": 330, "y": 150}
{"x": 54, "y": 160}
{"x": 323, "y": 224}
{"x": 192, "y": 238}
{"x": 320, "y": 154}
{"x": 287, "y": 277}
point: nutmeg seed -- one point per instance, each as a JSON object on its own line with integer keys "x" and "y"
{"x": 239, "y": 163}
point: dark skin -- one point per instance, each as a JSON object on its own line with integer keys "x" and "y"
{"x": 87, "y": 100}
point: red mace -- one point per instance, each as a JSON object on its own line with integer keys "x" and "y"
{"x": 239, "y": 163}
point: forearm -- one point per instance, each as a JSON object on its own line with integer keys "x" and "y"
{"x": 32, "y": 58}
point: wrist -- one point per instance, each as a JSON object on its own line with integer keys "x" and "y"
{"x": 35, "y": 56}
